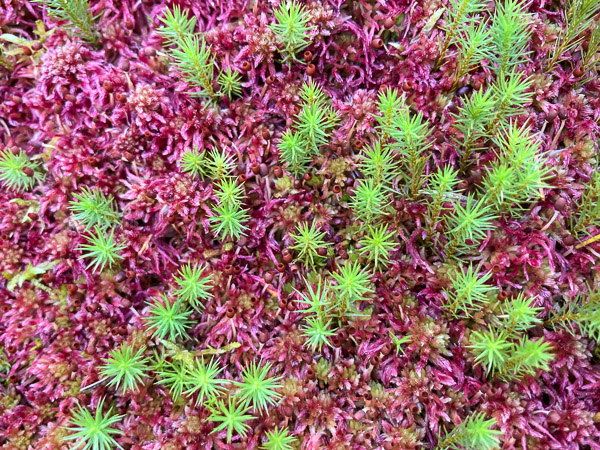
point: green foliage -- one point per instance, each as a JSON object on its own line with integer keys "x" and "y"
{"x": 229, "y": 192}
{"x": 192, "y": 286}
{"x": 458, "y": 14}
{"x": 227, "y": 221}
{"x": 389, "y": 104}
{"x": 370, "y": 200}
{"x": 169, "y": 319}
{"x": 202, "y": 380}
{"x": 474, "y": 433}
{"x": 473, "y": 45}
{"x": 353, "y": 284}
{"x": 511, "y": 96}
{"x": 193, "y": 161}
{"x": 176, "y": 25}
{"x": 526, "y": 358}
{"x": 257, "y": 388}
{"x": 101, "y": 248}
{"x": 278, "y": 439}
{"x": 379, "y": 164}
{"x": 307, "y": 241}
{"x": 376, "y": 245}
{"x": 471, "y": 120}
{"x": 469, "y": 224}
{"x": 12, "y": 166}
{"x": 314, "y": 124}
{"x": 519, "y": 172}
{"x": 294, "y": 152}
{"x": 468, "y": 292}
{"x": 399, "y": 341}
{"x": 593, "y": 49}
{"x": 586, "y": 213}
{"x": 125, "y": 368}
{"x": 174, "y": 376}
{"x": 232, "y": 417}
{"x": 316, "y": 299}
{"x": 230, "y": 83}
{"x": 77, "y": 14}
{"x": 519, "y": 314}
{"x": 220, "y": 164}
{"x": 510, "y": 35}
{"x": 318, "y": 332}
{"x": 292, "y": 27}
{"x": 441, "y": 184}
{"x": 490, "y": 348}
{"x": 193, "y": 58}
{"x": 581, "y": 312}
{"x": 94, "y": 432}
{"x": 92, "y": 208}
{"x": 579, "y": 16}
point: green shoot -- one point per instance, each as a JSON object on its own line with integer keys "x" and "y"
{"x": 257, "y": 387}
{"x": 193, "y": 57}
{"x": 586, "y": 212}
{"x": 229, "y": 192}
{"x": 220, "y": 164}
{"x": 169, "y": 319}
{"x": 93, "y": 208}
{"x": 294, "y": 152}
{"x": 227, "y": 221}
{"x": 292, "y": 27}
{"x": 193, "y": 162}
{"x": 192, "y": 286}
{"x": 510, "y": 95}
{"x": 473, "y": 46}
{"x": 593, "y": 49}
{"x": 318, "y": 333}
{"x": 378, "y": 163}
{"x": 376, "y": 245}
{"x": 526, "y": 358}
{"x": 353, "y": 284}
{"x": 232, "y": 417}
{"x": 469, "y": 224}
{"x": 94, "y": 432}
{"x": 203, "y": 381}
{"x": 176, "y": 25}
{"x": 468, "y": 292}
{"x": 314, "y": 124}
{"x": 17, "y": 171}
{"x": 518, "y": 314}
{"x": 510, "y": 35}
{"x": 490, "y": 348}
{"x": 584, "y": 313}
{"x": 389, "y": 105}
{"x": 475, "y": 432}
{"x": 399, "y": 341}
{"x": 125, "y": 368}
{"x": 441, "y": 184}
{"x": 307, "y": 243}
{"x": 278, "y": 440}
{"x": 458, "y": 14}
{"x": 230, "y": 83}
{"x": 370, "y": 200}
{"x": 174, "y": 376}
{"x": 102, "y": 249}
{"x": 579, "y": 15}
{"x": 316, "y": 299}
{"x": 471, "y": 121}
{"x": 77, "y": 14}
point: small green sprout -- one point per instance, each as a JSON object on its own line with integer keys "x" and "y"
{"x": 229, "y": 192}
{"x": 202, "y": 380}
{"x": 174, "y": 376}
{"x": 77, "y": 14}
{"x": 176, "y": 25}
{"x": 441, "y": 184}
{"x": 125, "y": 368}
{"x": 353, "y": 283}
{"x": 257, "y": 387}
{"x": 193, "y": 161}
{"x": 473, "y": 46}
{"x": 377, "y": 244}
{"x": 192, "y": 286}
{"x": 169, "y": 319}
{"x": 308, "y": 241}
{"x": 475, "y": 432}
{"x": 519, "y": 314}
{"x": 227, "y": 221}
{"x": 220, "y": 164}
{"x": 469, "y": 224}
{"x": 194, "y": 59}
{"x": 527, "y": 358}
{"x": 510, "y": 35}
{"x": 230, "y": 83}
{"x": 314, "y": 124}
{"x": 291, "y": 27}
{"x": 293, "y": 152}
{"x": 389, "y": 105}
{"x": 232, "y": 416}
{"x": 510, "y": 95}
{"x": 399, "y": 341}
{"x": 491, "y": 348}
{"x": 468, "y": 292}
{"x": 583, "y": 312}
{"x": 316, "y": 299}
{"x": 102, "y": 249}
{"x": 94, "y": 432}
{"x": 17, "y": 171}
{"x": 318, "y": 333}
{"x": 370, "y": 200}
{"x": 92, "y": 208}
{"x": 379, "y": 164}
{"x": 278, "y": 439}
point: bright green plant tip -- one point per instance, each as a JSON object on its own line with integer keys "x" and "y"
{"x": 369, "y": 201}
{"x": 228, "y": 221}
{"x": 12, "y": 174}
{"x": 192, "y": 285}
{"x": 490, "y": 348}
{"x": 469, "y": 291}
{"x": 232, "y": 417}
{"x": 194, "y": 162}
{"x": 169, "y": 320}
{"x": 377, "y": 245}
{"x": 474, "y": 433}
{"x": 278, "y": 439}
{"x": 316, "y": 298}
{"x": 229, "y": 192}
{"x": 307, "y": 241}
{"x": 175, "y": 377}
{"x": 257, "y": 387}
{"x": 353, "y": 283}
{"x": 291, "y": 27}
{"x": 220, "y": 164}
{"x": 202, "y": 380}
{"x": 317, "y": 332}
{"x": 101, "y": 249}
{"x": 230, "y": 83}
{"x": 77, "y": 14}
{"x": 176, "y": 24}
{"x": 125, "y": 368}
{"x": 92, "y": 208}
{"x": 94, "y": 432}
